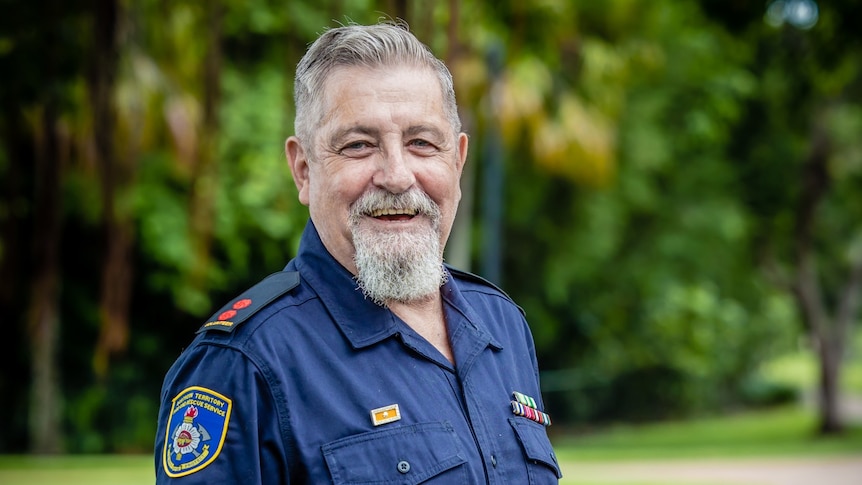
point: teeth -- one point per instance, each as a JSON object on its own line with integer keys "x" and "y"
{"x": 393, "y": 212}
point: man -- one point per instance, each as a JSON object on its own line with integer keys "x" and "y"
{"x": 367, "y": 360}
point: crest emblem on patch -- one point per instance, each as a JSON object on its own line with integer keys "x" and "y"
{"x": 196, "y": 430}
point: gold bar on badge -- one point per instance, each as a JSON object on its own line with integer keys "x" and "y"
{"x": 386, "y": 414}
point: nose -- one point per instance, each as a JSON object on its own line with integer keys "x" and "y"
{"x": 394, "y": 173}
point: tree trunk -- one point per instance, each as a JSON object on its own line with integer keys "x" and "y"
{"x": 458, "y": 247}
{"x": 18, "y": 147}
{"x": 830, "y": 371}
{"x": 115, "y": 174}
{"x": 832, "y": 351}
{"x": 398, "y": 9}
{"x": 43, "y": 316}
{"x": 117, "y": 272}
{"x": 829, "y": 330}
{"x": 205, "y": 172}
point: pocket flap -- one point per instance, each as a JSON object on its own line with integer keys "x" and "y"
{"x": 537, "y": 446}
{"x": 404, "y": 454}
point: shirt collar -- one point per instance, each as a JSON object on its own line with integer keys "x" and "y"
{"x": 362, "y": 321}
{"x": 455, "y": 300}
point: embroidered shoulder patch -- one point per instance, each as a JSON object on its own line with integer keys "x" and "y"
{"x": 196, "y": 430}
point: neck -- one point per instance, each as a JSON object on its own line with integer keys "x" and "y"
{"x": 426, "y": 317}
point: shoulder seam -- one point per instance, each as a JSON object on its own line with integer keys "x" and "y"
{"x": 478, "y": 279}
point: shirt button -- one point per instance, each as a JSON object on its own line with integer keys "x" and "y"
{"x": 403, "y": 466}
{"x": 494, "y": 461}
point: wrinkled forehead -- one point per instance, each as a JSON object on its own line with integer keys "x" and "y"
{"x": 371, "y": 78}
{"x": 352, "y": 85}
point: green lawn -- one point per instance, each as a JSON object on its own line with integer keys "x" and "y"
{"x": 788, "y": 431}
{"x": 77, "y": 470}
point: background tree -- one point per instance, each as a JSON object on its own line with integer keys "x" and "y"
{"x": 800, "y": 169}
{"x": 42, "y": 50}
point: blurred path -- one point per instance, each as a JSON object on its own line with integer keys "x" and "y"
{"x": 761, "y": 471}
{"x": 850, "y": 407}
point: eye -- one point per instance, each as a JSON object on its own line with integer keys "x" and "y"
{"x": 356, "y": 148}
{"x": 423, "y": 146}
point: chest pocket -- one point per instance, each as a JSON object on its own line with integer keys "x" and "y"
{"x": 542, "y": 466}
{"x": 419, "y": 453}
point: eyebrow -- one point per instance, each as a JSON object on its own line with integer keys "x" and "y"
{"x": 339, "y": 136}
{"x": 419, "y": 129}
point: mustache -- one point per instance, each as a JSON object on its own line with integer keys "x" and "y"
{"x": 413, "y": 201}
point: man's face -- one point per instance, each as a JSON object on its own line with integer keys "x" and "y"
{"x": 382, "y": 130}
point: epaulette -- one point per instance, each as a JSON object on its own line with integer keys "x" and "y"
{"x": 251, "y": 301}
{"x": 482, "y": 281}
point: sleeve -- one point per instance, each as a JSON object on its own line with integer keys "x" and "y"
{"x": 218, "y": 423}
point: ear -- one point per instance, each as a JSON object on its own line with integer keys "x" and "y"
{"x": 298, "y": 162}
{"x": 463, "y": 144}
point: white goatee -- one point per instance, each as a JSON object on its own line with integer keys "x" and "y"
{"x": 399, "y": 265}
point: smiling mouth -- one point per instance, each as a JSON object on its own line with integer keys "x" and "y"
{"x": 393, "y": 214}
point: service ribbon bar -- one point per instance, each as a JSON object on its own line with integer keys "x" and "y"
{"x": 525, "y": 399}
{"x": 525, "y": 406}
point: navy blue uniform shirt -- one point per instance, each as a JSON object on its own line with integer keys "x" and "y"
{"x": 320, "y": 385}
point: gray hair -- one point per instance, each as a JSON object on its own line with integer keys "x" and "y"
{"x": 384, "y": 44}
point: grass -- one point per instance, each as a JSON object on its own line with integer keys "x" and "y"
{"x": 77, "y": 470}
{"x": 788, "y": 431}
